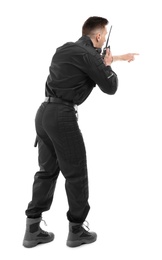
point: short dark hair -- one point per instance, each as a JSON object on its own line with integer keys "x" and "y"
{"x": 92, "y": 23}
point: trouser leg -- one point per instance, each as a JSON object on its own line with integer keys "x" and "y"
{"x": 71, "y": 154}
{"x": 74, "y": 168}
{"x": 45, "y": 179}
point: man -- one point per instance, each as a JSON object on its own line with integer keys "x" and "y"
{"x": 75, "y": 69}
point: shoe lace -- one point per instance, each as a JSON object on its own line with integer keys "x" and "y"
{"x": 86, "y": 225}
{"x": 44, "y": 232}
{"x": 44, "y": 222}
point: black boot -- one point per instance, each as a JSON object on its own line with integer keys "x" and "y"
{"x": 78, "y": 235}
{"x": 34, "y": 235}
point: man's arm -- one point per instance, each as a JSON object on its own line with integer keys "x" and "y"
{"x": 125, "y": 57}
{"x": 109, "y": 58}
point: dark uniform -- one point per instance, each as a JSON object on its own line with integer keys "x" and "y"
{"x": 75, "y": 70}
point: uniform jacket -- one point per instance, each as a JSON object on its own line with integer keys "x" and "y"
{"x": 76, "y": 68}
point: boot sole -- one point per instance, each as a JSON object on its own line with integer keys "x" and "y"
{"x": 30, "y": 244}
{"x": 80, "y": 242}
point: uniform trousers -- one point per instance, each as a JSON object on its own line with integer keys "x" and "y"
{"x": 60, "y": 149}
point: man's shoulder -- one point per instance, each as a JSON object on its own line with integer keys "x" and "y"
{"x": 66, "y": 45}
{"x": 85, "y": 44}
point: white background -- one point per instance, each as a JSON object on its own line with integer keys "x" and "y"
{"x": 122, "y": 133}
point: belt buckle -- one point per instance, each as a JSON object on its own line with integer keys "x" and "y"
{"x": 76, "y": 111}
{"x": 46, "y": 99}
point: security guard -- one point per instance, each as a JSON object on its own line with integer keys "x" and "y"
{"x": 76, "y": 68}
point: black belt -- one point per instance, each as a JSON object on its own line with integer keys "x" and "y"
{"x": 59, "y": 101}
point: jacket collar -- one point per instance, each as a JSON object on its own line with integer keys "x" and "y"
{"x": 86, "y": 39}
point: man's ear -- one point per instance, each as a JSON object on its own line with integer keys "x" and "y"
{"x": 98, "y": 37}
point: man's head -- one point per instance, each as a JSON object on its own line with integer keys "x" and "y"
{"x": 95, "y": 28}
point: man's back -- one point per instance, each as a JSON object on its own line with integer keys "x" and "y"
{"x": 75, "y": 69}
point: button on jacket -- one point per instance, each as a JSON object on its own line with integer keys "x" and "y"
{"x": 76, "y": 68}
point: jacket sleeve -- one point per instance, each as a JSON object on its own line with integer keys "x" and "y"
{"x": 102, "y": 75}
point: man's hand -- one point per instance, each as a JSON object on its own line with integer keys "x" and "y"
{"x": 125, "y": 57}
{"x": 108, "y": 57}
